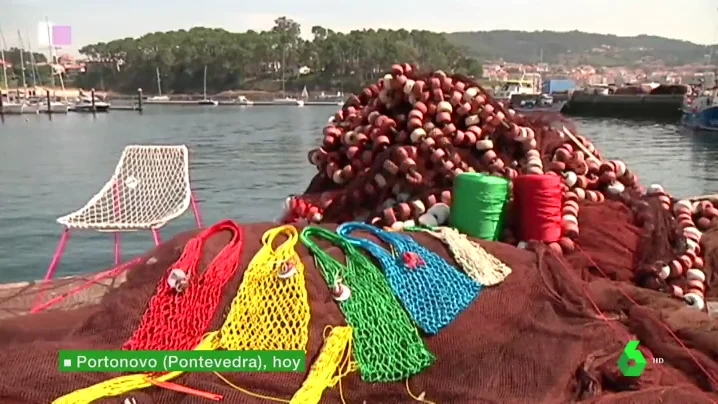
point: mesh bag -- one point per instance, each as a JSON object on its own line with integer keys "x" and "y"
{"x": 178, "y": 316}
{"x": 432, "y": 291}
{"x": 481, "y": 266}
{"x": 387, "y": 346}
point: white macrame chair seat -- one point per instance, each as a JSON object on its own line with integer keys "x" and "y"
{"x": 149, "y": 188}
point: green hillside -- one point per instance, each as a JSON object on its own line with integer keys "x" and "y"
{"x": 577, "y": 47}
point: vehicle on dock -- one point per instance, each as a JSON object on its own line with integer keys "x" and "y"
{"x": 536, "y": 103}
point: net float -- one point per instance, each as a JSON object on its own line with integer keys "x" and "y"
{"x": 177, "y": 280}
{"x": 340, "y": 292}
{"x": 287, "y": 269}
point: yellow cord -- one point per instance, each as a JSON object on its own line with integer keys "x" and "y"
{"x": 256, "y": 395}
{"x": 420, "y": 398}
{"x": 333, "y": 363}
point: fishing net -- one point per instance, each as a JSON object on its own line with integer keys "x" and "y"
{"x": 551, "y": 332}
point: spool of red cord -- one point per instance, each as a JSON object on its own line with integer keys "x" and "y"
{"x": 537, "y": 202}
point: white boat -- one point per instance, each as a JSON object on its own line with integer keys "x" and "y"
{"x": 242, "y": 100}
{"x": 40, "y": 106}
{"x": 516, "y": 87}
{"x": 14, "y": 108}
{"x": 205, "y": 100}
{"x": 288, "y": 101}
{"x": 158, "y": 97}
{"x": 85, "y": 105}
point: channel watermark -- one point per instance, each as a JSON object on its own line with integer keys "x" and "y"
{"x": 632, "y": 363}
{"x": 51, "y": 34}
{"x": 187, "y": 361}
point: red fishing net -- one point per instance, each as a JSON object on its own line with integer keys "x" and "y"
{"x": 551, "y": 332}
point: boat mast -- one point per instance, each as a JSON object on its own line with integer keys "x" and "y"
{"x": 52, "y": 58}
{"x": 32, "y": 62}
{"x": 284, "y": 57}
{"x": 22, "y": 63}
{"x": 205, "y": 82}
{"x": 159, "y": 86}
{"x": 2, "y": 56}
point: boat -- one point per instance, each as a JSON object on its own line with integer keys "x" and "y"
{"x": 703, "y": 113}
{"x": 159, "y": 96}
{"x": 522, "y": 86}
{"x": 14, "y": 108}
{"x": 288, "y": 101}
{"x": 85, "y": 105}
{"x": 285, "y": 100}
{"x": 205, "y": 100}
{"x": 242, "y": 100}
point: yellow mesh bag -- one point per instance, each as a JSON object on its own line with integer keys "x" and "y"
{"x": 269, "y": 312}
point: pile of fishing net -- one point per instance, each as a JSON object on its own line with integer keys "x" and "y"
{"x": 551, "y": 331}
{"x": 393, "y": 152}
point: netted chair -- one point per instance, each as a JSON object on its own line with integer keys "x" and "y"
{"x": 149, "y": 188}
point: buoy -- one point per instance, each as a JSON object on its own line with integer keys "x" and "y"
{"x": 287, "y": 270}
{"x": 340, "y": 292}
{"x": 177, "y": 280}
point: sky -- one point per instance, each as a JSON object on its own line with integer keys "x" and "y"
{"x": 95, "y": 21}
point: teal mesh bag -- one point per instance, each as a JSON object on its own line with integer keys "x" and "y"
{"x": 433, "y": 291}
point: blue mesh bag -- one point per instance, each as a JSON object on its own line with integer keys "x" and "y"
{"x": 431, "y": 290}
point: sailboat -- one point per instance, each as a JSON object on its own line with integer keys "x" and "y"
{"x": 54, "y": 107}
{"x": 205, "y": 100}
{"x": 7, "y": 106}
{"x": 286, "y": 100}
{"x": 159, "y": 97}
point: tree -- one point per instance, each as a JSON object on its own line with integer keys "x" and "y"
{"x": 252, "y": 60}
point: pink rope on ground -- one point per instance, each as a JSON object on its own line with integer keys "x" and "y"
{"x": 156, "y": 236}
{"x": 96, "y": 279}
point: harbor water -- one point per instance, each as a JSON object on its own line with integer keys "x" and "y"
{"x": 244, "y": 163}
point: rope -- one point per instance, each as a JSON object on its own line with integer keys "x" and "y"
{"x": 431, "y": 289}
{"x": 479, "y": 264}
{"x": 386, "y": 345}
{"x": 334, "y": 362}
{"x": 267, "y": 297}
{"x": 124, "y": 384}
{"x": 176, "y": 318}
